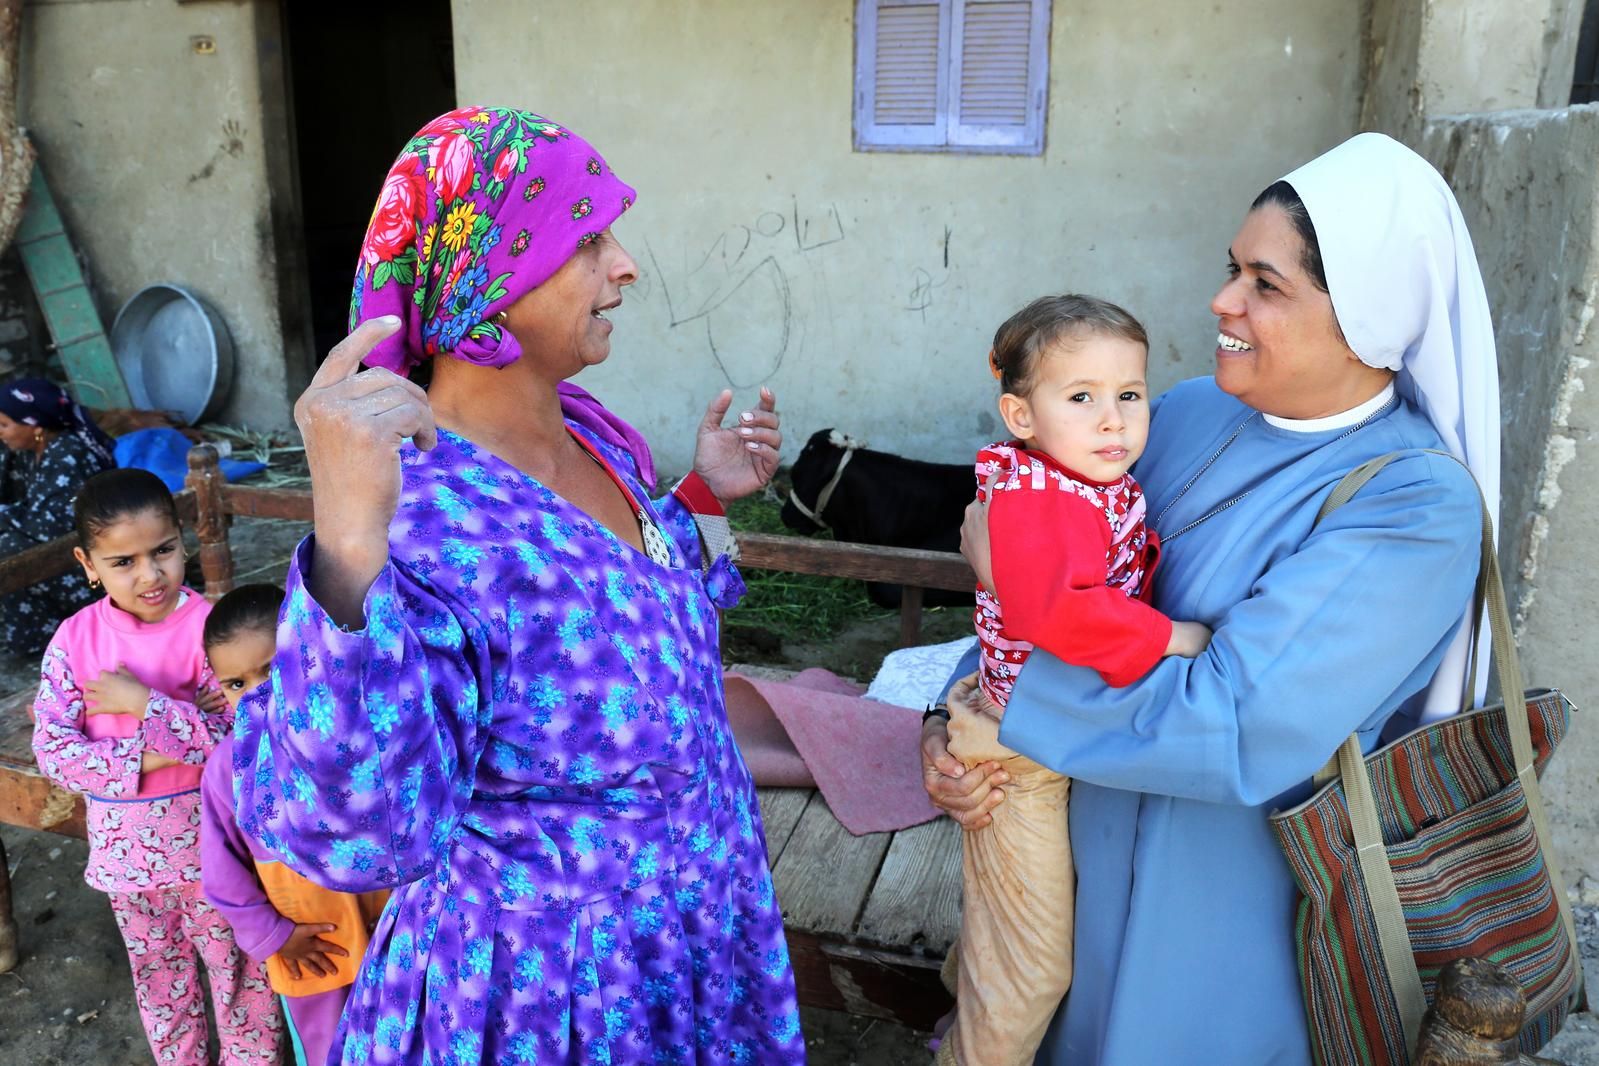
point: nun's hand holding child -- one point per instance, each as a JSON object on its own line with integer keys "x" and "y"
{"x": 968, "y": 796}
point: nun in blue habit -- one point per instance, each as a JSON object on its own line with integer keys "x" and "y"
{"x": 1353, "y": 323}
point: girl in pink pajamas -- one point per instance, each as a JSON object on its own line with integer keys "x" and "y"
{"x": 126, "y": 715}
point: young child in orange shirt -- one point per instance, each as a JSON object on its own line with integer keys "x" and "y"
{"x": 311, "y": 938}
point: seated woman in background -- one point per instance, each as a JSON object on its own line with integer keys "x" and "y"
{"x": 52, "y": 447}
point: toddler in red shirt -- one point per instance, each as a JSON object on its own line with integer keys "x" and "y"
{"x": 1072, "y": 561}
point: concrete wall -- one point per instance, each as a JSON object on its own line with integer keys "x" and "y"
{"x": 1529, "y": 186}
{"x": 1528, "y": 183}
{"x": 1455, "y": 56}
{"x": 155, "y": 154}
{"x": 864, "y": 287}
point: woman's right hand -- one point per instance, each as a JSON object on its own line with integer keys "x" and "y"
{"x": 354, "y": 422}
{"x": 965, "y": 795}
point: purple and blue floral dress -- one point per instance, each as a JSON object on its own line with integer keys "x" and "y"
{"x": 528, "y": 742}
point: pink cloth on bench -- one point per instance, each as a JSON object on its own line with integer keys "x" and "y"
{"x": 817, "y": 729}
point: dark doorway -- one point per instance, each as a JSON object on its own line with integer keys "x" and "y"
{"x": 362, "y": 78}
{"x": 1585, "y": 83}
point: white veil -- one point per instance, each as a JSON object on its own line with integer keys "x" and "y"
{"x": 1409, "y": 297}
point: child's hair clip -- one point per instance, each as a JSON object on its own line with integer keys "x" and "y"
{"x": 993, "y": 366}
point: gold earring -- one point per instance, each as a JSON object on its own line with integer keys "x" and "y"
{"x": 500, "y": 318}
{"x": 38, "y": 437}
{"x": 94, "y": 582}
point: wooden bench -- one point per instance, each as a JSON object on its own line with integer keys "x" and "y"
{"x": 869, "y": 918}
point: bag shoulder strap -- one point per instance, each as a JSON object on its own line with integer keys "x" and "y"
{"x": 1398, "y": 957}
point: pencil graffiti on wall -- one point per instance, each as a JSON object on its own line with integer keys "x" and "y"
{"x": 738, "y": 291}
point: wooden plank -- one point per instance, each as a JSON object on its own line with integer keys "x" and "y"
{"x": 869, "y": 562}
{"x": 27, "y": 798}
{"x": 877, "y": 984}
{"x": 780, "y": 813}
{"x": 293, "y": 504}
{"x": 917, "y": 898}
{"x": 39, "y": 563}
{"x": 72, "y": 316}
{"x": 52, "y": 265}
{"x": 825, "y": 873}
{"x": 759, "y": 551}
{"x": 39, "y": 216}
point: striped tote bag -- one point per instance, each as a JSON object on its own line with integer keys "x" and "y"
{"x": 1433, "y": 848}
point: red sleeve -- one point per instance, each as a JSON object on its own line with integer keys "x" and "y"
{"x": 1049, "y": 569}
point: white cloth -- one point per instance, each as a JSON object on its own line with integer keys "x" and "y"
{"x": 915, "y": 677}
{"x": 1409, "y": 297}
{"x": 1340, "y": 420}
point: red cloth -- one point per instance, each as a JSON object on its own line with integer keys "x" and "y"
{"x": 1065, "y": 578}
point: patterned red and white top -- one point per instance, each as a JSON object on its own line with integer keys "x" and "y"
{"x": 1072, "y": 563}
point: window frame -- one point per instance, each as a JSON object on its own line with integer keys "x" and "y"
{"x": 948, "y": 135}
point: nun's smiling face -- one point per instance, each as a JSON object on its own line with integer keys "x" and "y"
{"x": 1278, "y": 347}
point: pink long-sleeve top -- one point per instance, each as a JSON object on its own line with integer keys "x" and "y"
{"x": 143, "y": 827}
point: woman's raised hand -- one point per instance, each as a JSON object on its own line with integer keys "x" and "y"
{"x": 354, "y": 422}
{"x": 737, "y": 460}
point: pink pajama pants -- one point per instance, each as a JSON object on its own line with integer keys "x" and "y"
{"x": 167, "y": 933}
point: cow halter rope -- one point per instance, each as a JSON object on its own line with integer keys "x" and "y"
{"x": 850, "y": 446}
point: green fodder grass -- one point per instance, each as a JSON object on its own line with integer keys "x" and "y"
{"x": 792, "y": 606}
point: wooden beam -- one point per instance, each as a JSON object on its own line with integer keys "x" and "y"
{"x": 205, "y": 480}
{"x": 869, "y": 562}
{"x": 758, "y": 551}
{"x": 27, "y": 798}
{"x": 291, "y": 504}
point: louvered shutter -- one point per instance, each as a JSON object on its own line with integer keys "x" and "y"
{"x": 998, "y": 64}
{"x": 902, "y": 76}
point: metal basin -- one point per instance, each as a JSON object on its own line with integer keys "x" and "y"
{"x": 174, "y": 352}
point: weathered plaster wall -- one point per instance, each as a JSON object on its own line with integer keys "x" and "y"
{"x": 1454, "y": 56}
{"x": 866, "y": 287}
{"x": 1528, "y": 182}
{"x": 155, "y": 156}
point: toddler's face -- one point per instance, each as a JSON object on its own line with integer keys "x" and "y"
{"x": 1089, "y": 406}
{"x": 242, "y": 663}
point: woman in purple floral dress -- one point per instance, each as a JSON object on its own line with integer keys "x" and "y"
{"x": 498, "y": 687}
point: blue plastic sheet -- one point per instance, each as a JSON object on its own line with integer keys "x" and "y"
{"x": 165, "y": 453}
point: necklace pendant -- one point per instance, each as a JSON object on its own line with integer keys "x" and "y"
{"x": 655, "y": 545}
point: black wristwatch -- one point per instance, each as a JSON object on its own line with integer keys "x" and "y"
{"x": 936, "y": 710}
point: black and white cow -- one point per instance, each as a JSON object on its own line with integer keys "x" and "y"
{"x": 876, "y": 498}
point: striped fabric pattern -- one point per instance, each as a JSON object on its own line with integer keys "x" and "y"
{"x": 1472, "y": 882}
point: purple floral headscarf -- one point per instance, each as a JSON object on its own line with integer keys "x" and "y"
{"x": 482, "y": 206}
